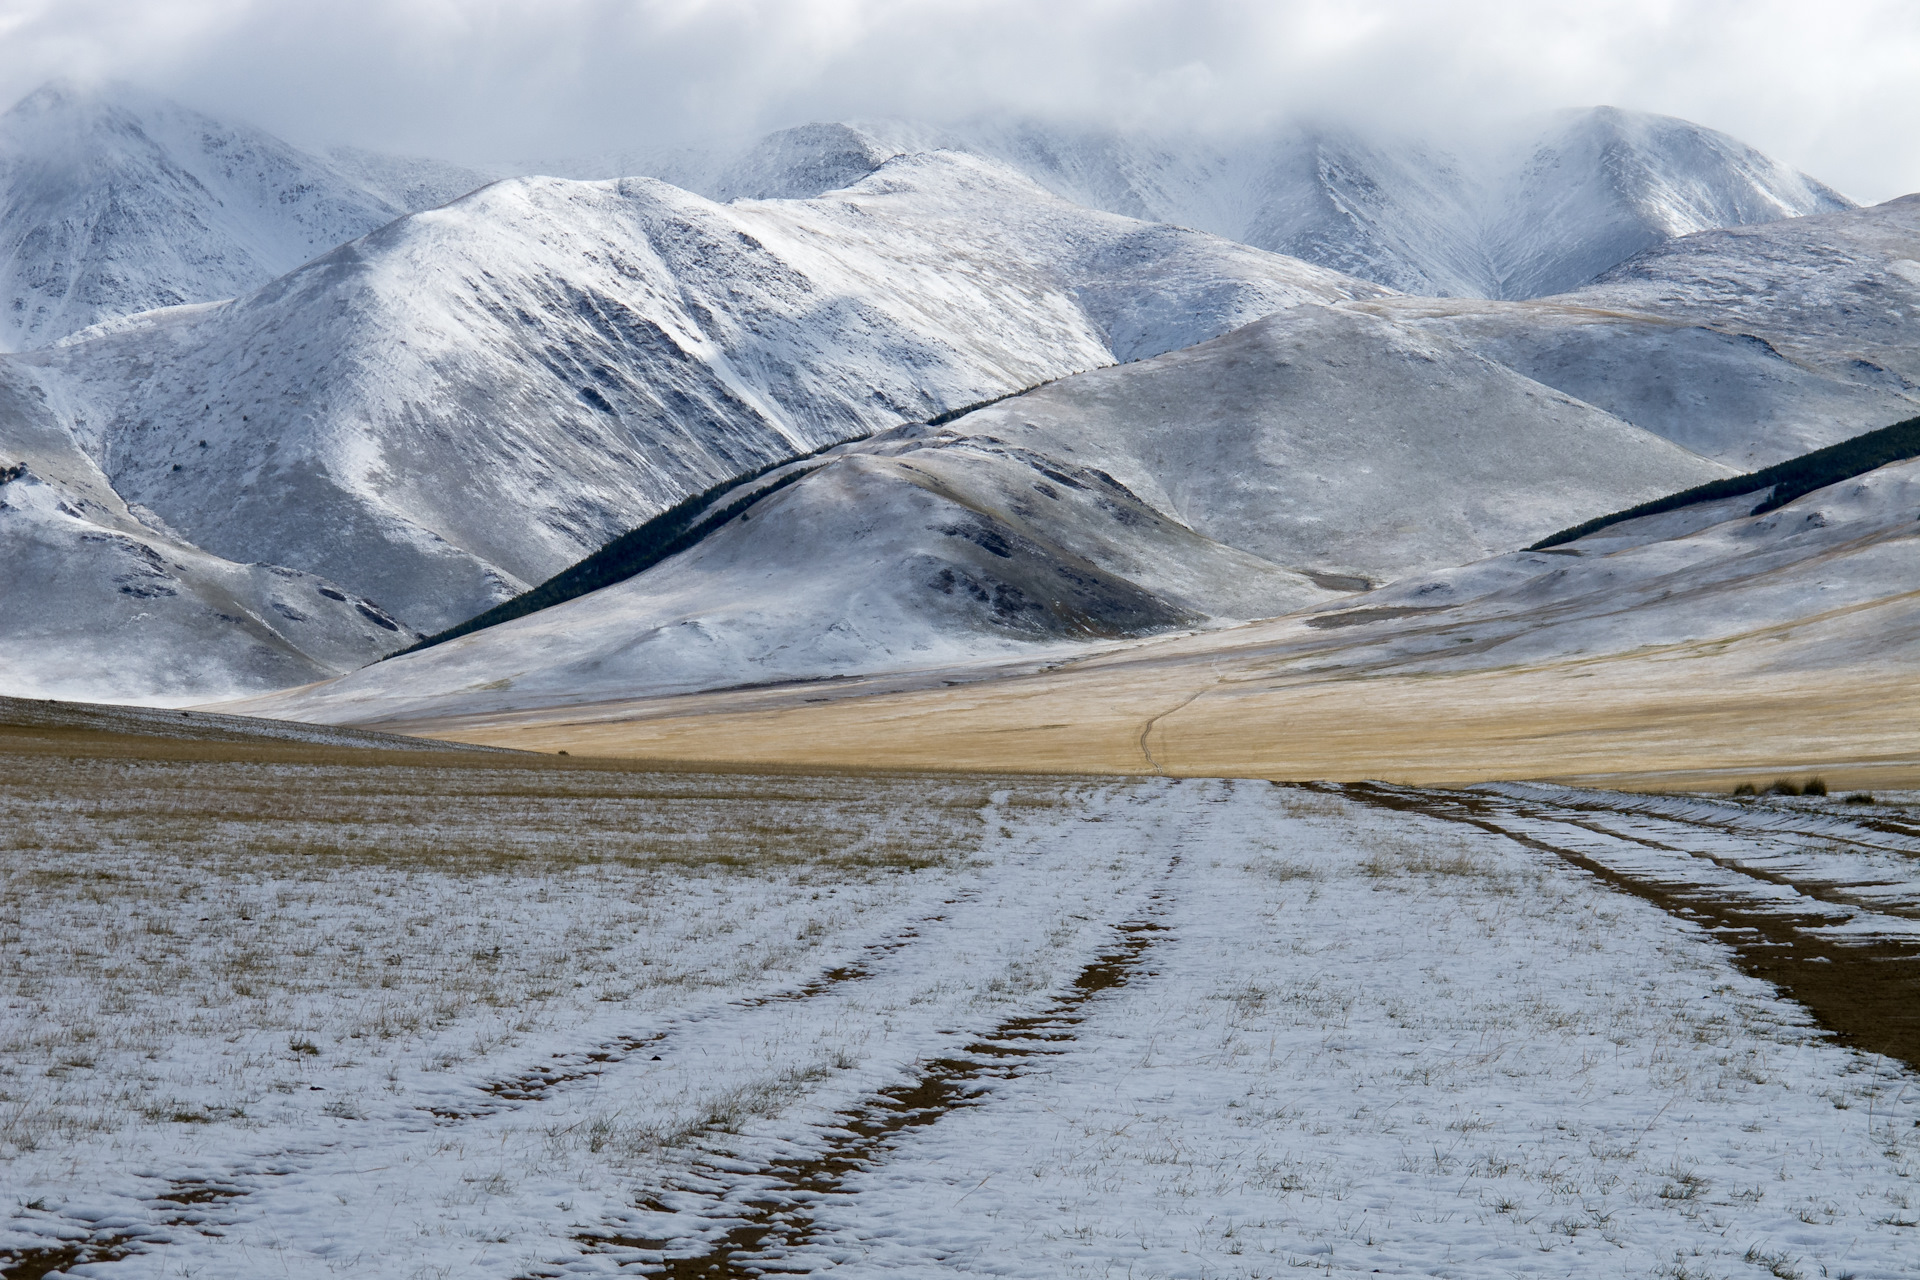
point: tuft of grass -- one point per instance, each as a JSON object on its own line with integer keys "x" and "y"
{"x": 1783, "y": 787}
{"x": 1816, "y": 786}
{"x": 1859, "y": 797}
{"x": 1745, "y": 789}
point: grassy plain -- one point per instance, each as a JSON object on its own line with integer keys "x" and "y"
{"x": 1704, "y": 717}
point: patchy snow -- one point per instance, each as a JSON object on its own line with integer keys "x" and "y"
{"x": 1368, "y": 441}
{"x": 1199, "y": 1029}
{"x": 103, "y": 600}
{"x": 1834, "y": 570}
{"x": 1748, "y": 346}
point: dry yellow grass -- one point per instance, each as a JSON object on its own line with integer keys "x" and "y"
{"x": 1679, "y": 718}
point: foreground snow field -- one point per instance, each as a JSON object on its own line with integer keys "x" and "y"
{"x": 488, "y": 1020}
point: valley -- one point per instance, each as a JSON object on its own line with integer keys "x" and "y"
{"x": 1005, "y": 697}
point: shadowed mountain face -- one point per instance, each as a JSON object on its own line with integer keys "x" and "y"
{"x": 101, "y": 598}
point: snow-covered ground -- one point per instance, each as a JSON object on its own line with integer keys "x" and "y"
{"x": 390, "y": 1023}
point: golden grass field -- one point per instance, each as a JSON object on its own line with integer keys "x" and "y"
{"x": 1684, "y": 718}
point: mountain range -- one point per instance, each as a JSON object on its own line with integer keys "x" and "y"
{"x": 276, "y": 413}
{"x": 1546, "y": 210}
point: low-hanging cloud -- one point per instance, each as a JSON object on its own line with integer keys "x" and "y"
{"x": 1828, "y": 88}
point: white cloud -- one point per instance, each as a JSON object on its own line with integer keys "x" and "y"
{"x": 1829, "y": 87}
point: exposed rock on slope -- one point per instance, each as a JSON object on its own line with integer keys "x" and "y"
{"x": 471, "y": 398}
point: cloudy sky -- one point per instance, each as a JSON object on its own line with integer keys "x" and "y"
{"x": 1830, "y": 87}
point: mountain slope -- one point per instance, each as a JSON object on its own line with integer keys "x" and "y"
{"x": 1748, "y": 345}
{"x": 1585, "y": 191}
{"x": 115, "y": 201}
{"x": 471, "y": 398}
{"x": 1602, "y": 185}
{"x": 101, "y": 600}
{"x": 119, "y": 202}
{"x": 1694, "y": 648}
{"x": 1282, "y": 465}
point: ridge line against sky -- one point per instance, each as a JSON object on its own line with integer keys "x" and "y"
{"x": 1828, "y": 89}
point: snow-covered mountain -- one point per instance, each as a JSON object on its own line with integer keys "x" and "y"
{"x": 1375, "y": 439}
{"x": 1295, "y": 460}
{"x": 1579, "y": 194}
{"x": 1748, "y": 345}
{"x": 426, "y": 419}
{"x": 100, "y": 599}
{"x": 469, "y": 399}
{"x": 1808, "y": 612}
{"x": 1600, "y": 186}
{"x": 115, "y": 201}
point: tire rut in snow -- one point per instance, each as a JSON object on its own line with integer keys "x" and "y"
{"x": 539, "y": 1084}
{"x": 769, "y": 1214}
{"x": 196, "y": 1203}
{"x": 1866, "y": 992}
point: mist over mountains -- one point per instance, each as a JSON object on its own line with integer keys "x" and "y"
{"x": 1539, "y": 214}
{"x": 114, "y": 201}
{"x": 273, "y": 413}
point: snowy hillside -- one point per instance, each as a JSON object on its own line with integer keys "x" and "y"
{"x": 1602, "y": 185}
{"x": 1288, "y": 463}
{"x": 1374, "y": 439}
{"x": 1748, "y": 345}
{"x": 101, "y": 600}
{"x": 1827, "y": 580}
{"x": 1581, "y": 193}
{"x": 470, "y": 399}
{"x": 117, "y": 201}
